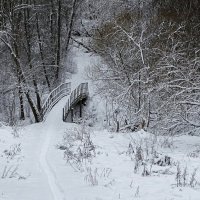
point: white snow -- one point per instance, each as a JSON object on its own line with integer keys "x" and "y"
{"x": 43, "y": 174}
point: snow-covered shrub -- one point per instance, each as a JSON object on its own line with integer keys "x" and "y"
{"x": 96, "y": 176}
{"x": 137, "y": 192}
{"x": 195, "y": 153}
{"x": 193, "y": 180}
{"x": 105, "y": 173}
{"x": 13, "y": 151}
{"x": 167, "y": 142}
{"x": 164, "y": 161}
{"x": 178, "y": 175}
{"x": 16, "y": 129}
{"x": 144, "y": 152}
{"x": 78, "y": 147}
{"x": 89, "y": 118}
{"x": 91, "y": 176}
{"x": 10, "y": 172}
{"x": 184, "y": 177}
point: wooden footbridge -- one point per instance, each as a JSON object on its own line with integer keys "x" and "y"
{"x": 74, "y": 105}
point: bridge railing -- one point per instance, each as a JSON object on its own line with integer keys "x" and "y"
{"x": 55, "y": 95}
{"x": 80, "y": 93}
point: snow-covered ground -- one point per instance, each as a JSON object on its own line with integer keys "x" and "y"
{"x": 32, "y": 167}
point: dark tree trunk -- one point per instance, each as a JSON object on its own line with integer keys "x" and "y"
{"x": 41, "y": 51}
{"x": 70, "y": 27}
{"x": 58, "y": 40}
{"x": 34, "y": 110}
{"x": 21, "y": 79}
{"x": 28, "y": 41}
{"x": 21, "y": 100}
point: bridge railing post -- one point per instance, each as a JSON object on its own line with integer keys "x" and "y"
{"x": 63, "y": 116}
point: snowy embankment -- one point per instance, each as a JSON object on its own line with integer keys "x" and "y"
{"x": 28, "y": 181}
{"x": 54, "y": 160}
{"x": 108, "y": 174}
{"x": 111, "y": 172}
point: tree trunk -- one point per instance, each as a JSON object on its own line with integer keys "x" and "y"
{"x": 21, "y": 100}
{"x": 27, "y": 31}
{"x": 41, "y": 51}
{"x": 58, "y": 40}
{"x": 21, "y": 79}
{"x": 28, "y": 41}
{"x": 70, "y": 27}
{"x": 36, "y": 115}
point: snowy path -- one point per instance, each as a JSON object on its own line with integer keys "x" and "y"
{"x": 41, "y": 161}
{"x": 51, "y": 125}
{"x": 55, "y": 188}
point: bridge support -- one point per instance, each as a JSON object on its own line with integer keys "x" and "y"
{"x": 76, "y": 102}
{"x": 63, "y": 115}
{"x": 72, "y": 115}
{"x": 81, "y": 104}
{"x": 77, "y": 111}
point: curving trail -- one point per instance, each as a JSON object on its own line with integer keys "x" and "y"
{"x": 41, "y": 166}
{"x": 53, "y": 124}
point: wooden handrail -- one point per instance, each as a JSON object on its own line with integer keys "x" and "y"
{"x": 55, "y": 95}
{"x": 80, "y": 93}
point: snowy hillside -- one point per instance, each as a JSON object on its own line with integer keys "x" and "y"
{"x": 99, "y": 100}
{"x": 54, "y": 160}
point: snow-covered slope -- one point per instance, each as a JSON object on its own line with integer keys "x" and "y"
{"x": 32, "y": 167}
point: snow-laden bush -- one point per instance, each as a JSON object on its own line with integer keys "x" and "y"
{"x": 78, "y": 147}
{"x": 195, "y": 153}
{"x": 144, "y": 151}
{"x": 91, "y": 176}
{"x": 89, "y": 118}
{"x": 10, "y": 172}
{"x": 13, "y": 151}
{"x": 184, "y": 177}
